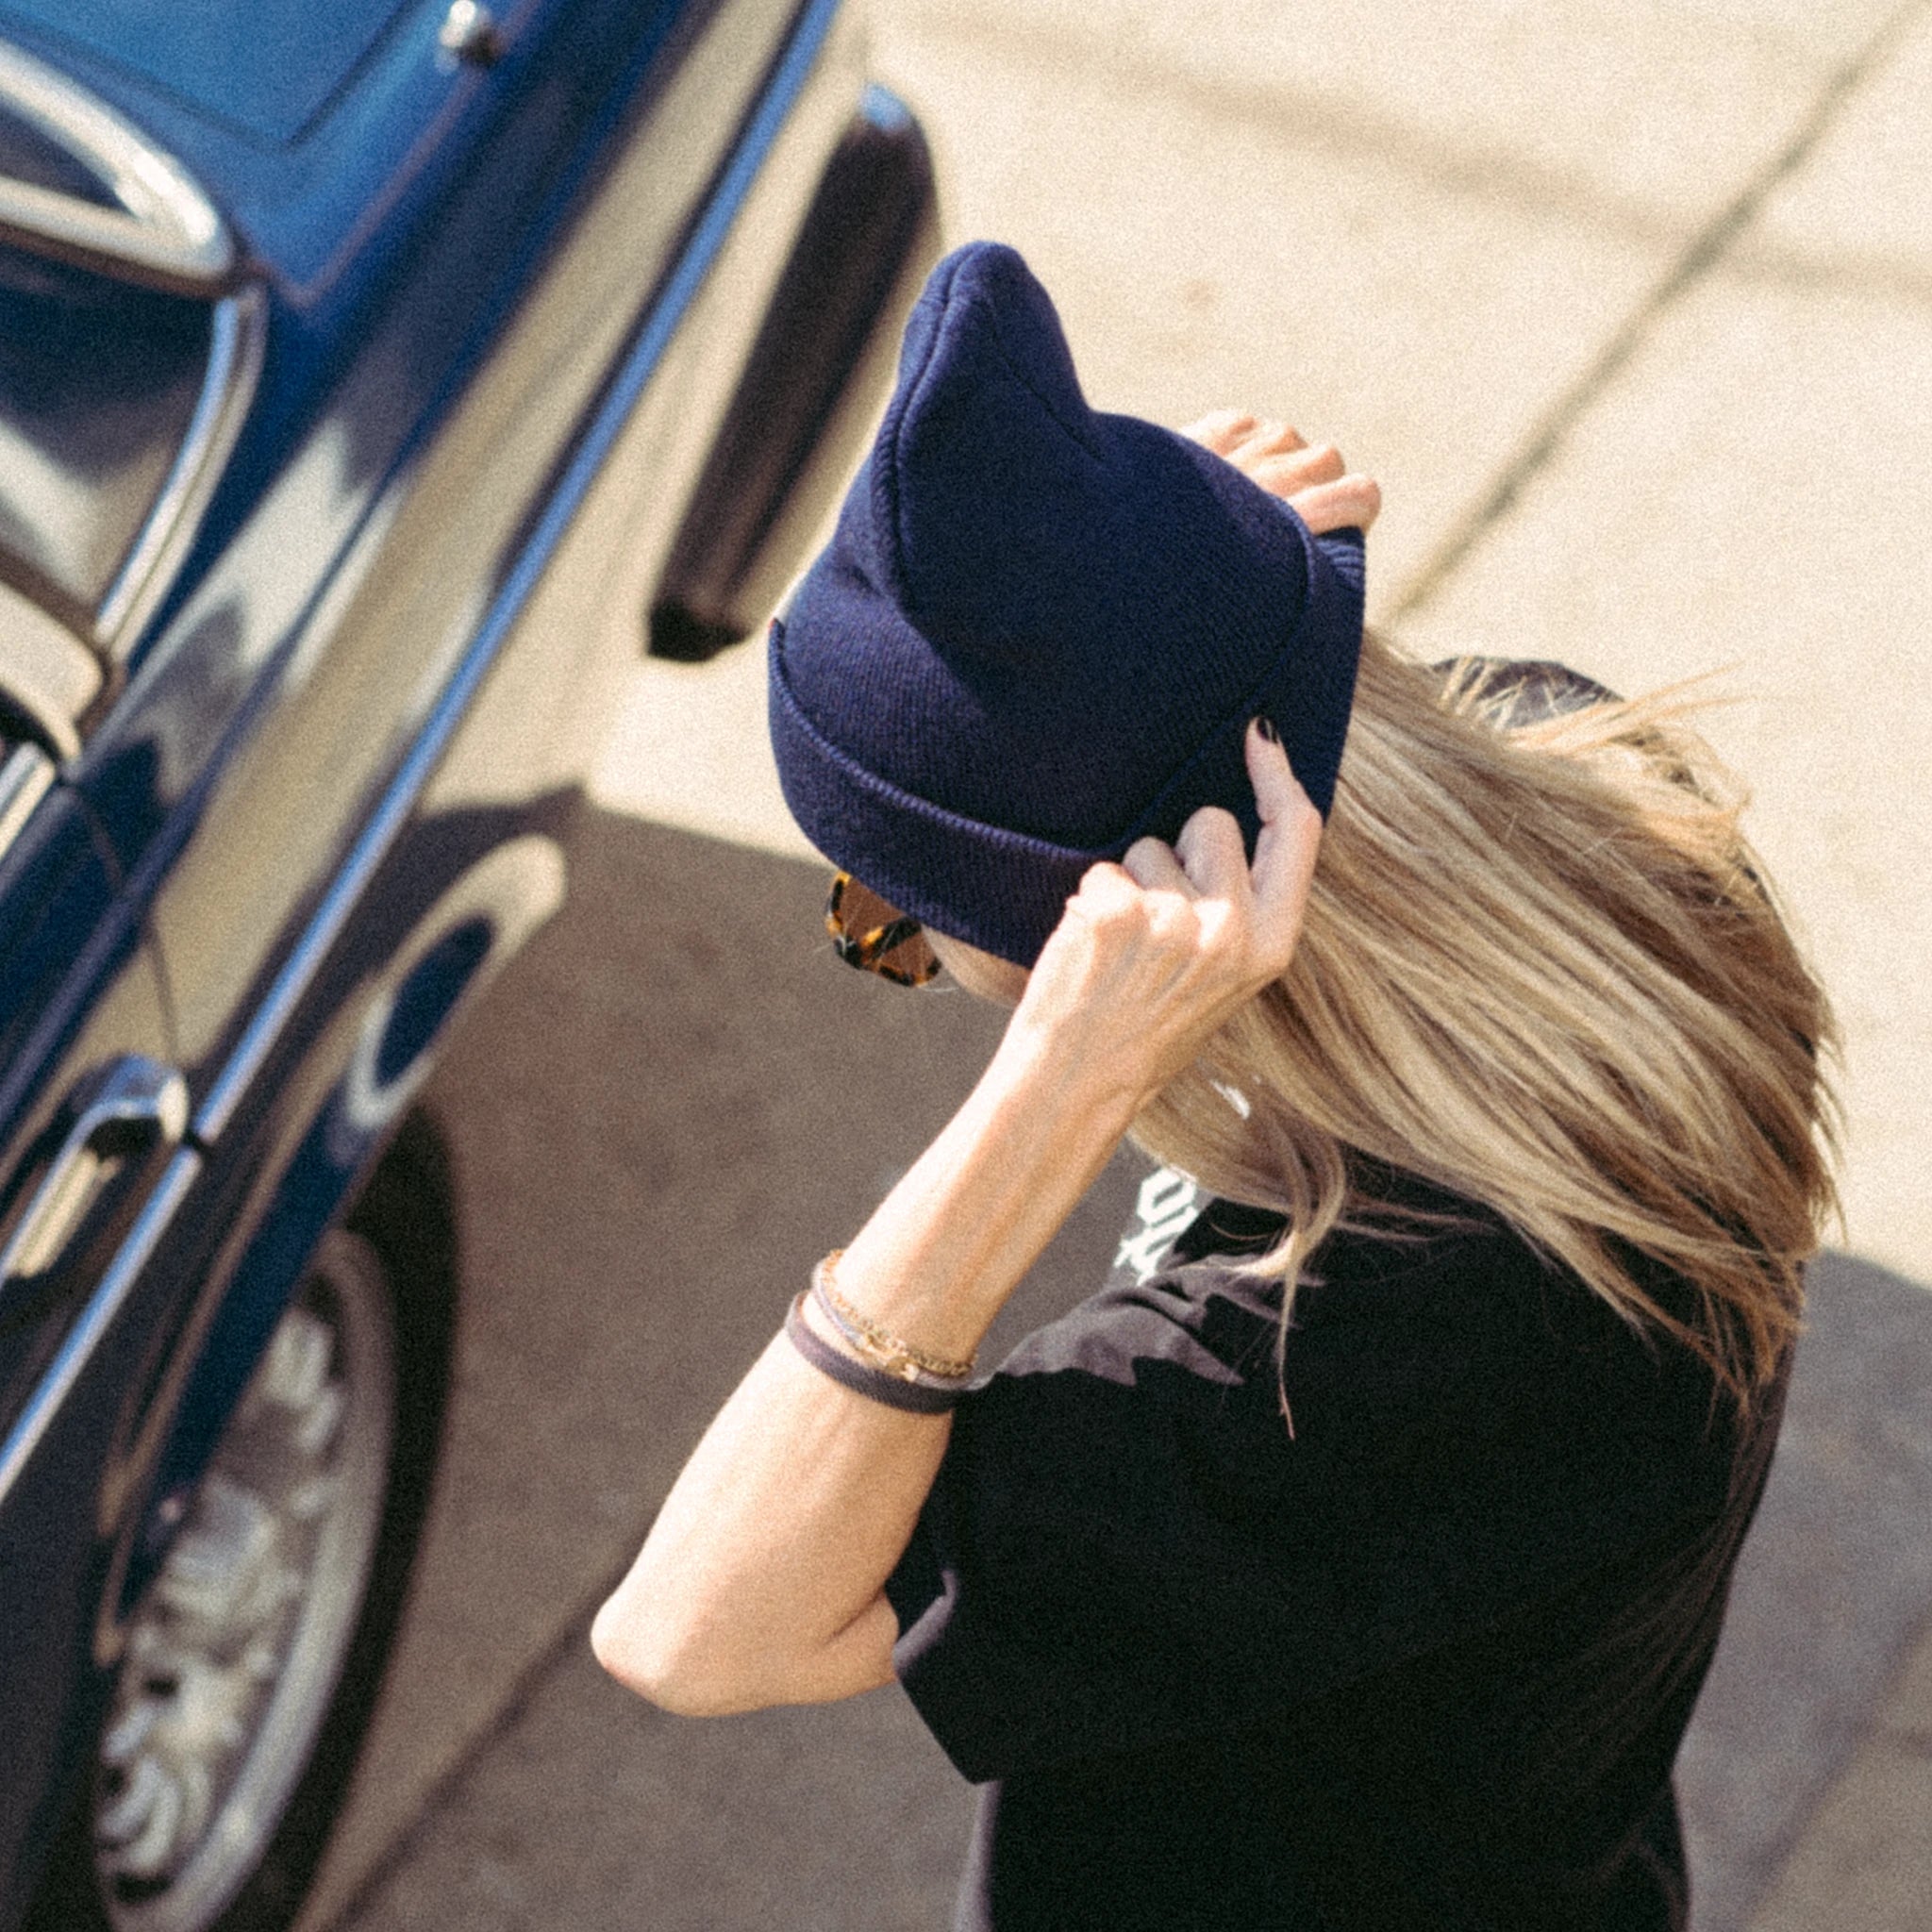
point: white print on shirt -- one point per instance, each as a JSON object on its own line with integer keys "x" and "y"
{"x": 1167, "y": 1205}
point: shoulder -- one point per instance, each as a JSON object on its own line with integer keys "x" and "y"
{"x": 1446, "y": 1428}
{"x": 1416, "y": 1274}
{"x": 1426, "y": 1317}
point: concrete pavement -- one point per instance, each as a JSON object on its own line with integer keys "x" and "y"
{"x": 1630, "y": 309}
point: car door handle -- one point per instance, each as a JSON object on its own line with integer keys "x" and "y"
{"x": 132, "y": 1106}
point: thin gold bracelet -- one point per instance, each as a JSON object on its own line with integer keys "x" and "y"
{"x": 887, "y": 1350}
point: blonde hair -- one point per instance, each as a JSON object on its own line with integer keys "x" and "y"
{"x": 1540, "y": 968}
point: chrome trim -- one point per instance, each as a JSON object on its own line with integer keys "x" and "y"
{"x": 384, "y": 823}
{"x": 470, "y": 34}
{"x": 24, "y": 776}
{"x": 134, "y": 1091}
{"x": 237, "y": 342}
{"x": 95, "y": 1316}
{"x": 166, "y": 230}
{"x": 47, "y": 671}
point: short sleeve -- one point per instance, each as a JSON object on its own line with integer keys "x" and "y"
{"x": 1126, "y": 1544}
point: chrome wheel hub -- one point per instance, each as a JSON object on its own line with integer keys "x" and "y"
{"x": 235, "y": 1651}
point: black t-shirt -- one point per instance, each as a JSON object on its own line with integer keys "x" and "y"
{"x": 1424, "y": 1663}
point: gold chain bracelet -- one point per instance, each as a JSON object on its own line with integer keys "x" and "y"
{"x": 879, "y": 1345}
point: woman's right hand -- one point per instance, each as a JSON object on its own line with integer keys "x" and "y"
{"x": 1310, "y": 477}
{"x": 1153, "y": 955}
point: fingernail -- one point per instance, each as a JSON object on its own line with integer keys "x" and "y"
{"x": 1266, "y": 728}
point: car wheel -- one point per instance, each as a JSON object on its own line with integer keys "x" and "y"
{"x": 254, "y": 1659}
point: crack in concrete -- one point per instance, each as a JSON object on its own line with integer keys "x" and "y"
{"x": 1704, "y": 252}
{"x": 442, "y": 1791}
{"x": 1349, "y": 131}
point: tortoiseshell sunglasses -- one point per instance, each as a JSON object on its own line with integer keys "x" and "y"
{"x": 875, "y": 937}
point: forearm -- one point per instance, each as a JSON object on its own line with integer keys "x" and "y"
{"x": 763, "y": 1570}
{"x": 760, "y": 1580}
{"x": 945, "y": 1250}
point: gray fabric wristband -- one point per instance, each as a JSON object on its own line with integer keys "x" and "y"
{"x": 861, "y": 1378}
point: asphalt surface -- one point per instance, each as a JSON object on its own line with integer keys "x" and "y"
{"x": 1630, "y": 309}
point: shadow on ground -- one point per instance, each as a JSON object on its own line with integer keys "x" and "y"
{"x": 1831, "y": 1591}
{"x": 674, "y": 1103}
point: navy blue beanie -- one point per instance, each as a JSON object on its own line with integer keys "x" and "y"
{"x": 1039, "y": 632}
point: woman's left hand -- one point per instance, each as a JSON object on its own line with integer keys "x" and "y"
{"x": 1311, "y": 478}
{"x": 1153, "y": 955}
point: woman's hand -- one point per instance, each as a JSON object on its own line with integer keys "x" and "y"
{"x": 1311, "y": 478}
{"x": 1153, "y": 954}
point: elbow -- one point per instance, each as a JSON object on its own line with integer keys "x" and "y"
{"x": 655, "y": 1663}
{"x": 617, "y": 1648}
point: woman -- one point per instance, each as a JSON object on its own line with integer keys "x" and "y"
{"x": 1358, "y": 1566}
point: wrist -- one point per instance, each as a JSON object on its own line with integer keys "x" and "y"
{"x": 1041, "y": 1075}
{"x": 945, "y": 1250}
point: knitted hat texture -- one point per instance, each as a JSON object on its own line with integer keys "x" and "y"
{"x": 1039, "y": 631}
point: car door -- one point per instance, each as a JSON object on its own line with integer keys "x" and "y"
{"x": 111, "y": 386}
{"x": 338, "y": 776}
{"x": 472, "y": 330}
{"x": 92, "y": 1165}
{"x": 132, "y": 345}
{"x": 334, "y": 682}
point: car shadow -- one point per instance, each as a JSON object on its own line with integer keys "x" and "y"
{"x": 674, "y": 1101}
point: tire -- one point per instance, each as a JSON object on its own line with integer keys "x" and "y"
{"x": 255, "y": 1657}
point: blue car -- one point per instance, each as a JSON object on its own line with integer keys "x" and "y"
{"x": 356, "y": 365}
